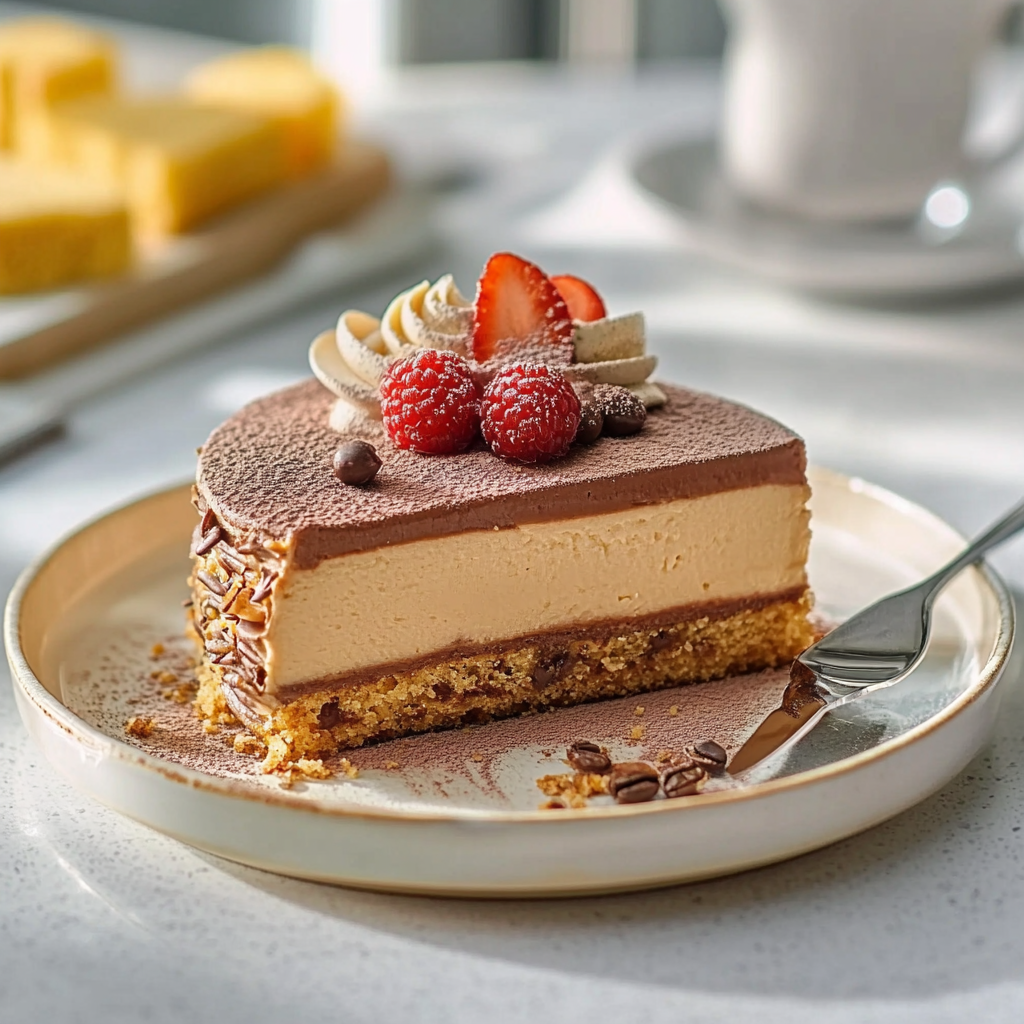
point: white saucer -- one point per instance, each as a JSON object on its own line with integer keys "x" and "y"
{"x": 82, "y": 622}
{"x": 906, "y": 259}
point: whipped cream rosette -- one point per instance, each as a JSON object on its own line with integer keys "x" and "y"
{"x": 351, "y": 359}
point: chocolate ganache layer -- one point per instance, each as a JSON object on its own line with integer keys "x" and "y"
{"x": 267, "y": 472}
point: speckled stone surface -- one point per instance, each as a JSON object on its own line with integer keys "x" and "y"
{"x": 917, "y": 921}
{"x": 268, "y": 470}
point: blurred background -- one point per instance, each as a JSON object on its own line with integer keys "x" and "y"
{"x": 425, "y": 31}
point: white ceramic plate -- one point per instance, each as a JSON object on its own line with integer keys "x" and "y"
{"x": 899, "y": 259}
{"x": 458, "y": 813}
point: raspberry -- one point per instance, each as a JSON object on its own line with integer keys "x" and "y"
{"x": 530, "y": 413}
{"x": 430, "y": 402}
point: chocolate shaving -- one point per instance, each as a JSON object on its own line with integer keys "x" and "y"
{"x": 208, "y": 540}
{"x": 228, "y": 558}
{"x": 211, "y": 583}
{"x": 209, "y": 521}
{"x": 250, "y": 630}
{"x": 248, "y": 650}
{"x": 264, "y": 586}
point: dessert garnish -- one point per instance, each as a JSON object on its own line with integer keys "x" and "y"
{"x": 518, "y": 315}
{"x": 708, "y": 753}
{"x": 595, "y": 774}
{"x": 430, "y": 403}
{"x": 529, "y": 412}
{"x": 356, "y": 462}
{"x": 683, "y": 779}
{"x": 634, "y": 782}
{"x": 585, "y": 756}
{"x": 585, "y": 305}
{"x": 591, "y": 417}
{"x": 621, "y": 411}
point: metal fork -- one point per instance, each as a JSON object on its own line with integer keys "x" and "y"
{"x": 882, "y": 643}
{"x": 875, "y": 648}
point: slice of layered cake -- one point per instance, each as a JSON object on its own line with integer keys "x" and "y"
{"x": 448, "y": 533}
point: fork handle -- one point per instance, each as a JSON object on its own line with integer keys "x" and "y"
{"x": 1010, "y": 524}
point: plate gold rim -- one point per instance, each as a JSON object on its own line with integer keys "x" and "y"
{"x": 33, "y": 690}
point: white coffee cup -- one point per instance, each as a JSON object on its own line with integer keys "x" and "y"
{"x": 849, "y": 109}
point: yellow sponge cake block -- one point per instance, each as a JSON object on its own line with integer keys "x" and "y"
{"x": 56, "y": 229}
{"x": 178, "y": 162}
{"x": 283, "y": 85}
{"x": 45, "y": 61}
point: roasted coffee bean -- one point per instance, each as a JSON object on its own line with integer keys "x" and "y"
{"x": 634, "y": 782}
{"x": 709, "y": 753}
{"x": 591, "y": 422}
{"x": 585, "y": 756}
{"x": 356, "y": 462}
{"x": 623, "y": 412}
{"x": 680, "y": 780}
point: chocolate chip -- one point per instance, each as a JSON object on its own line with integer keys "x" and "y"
{"x": 623, "y": 412}
{"x": 709, "y": 753}
{"x": 356, "y": 462}
{"x": 660, "y": 640}
{"x": 585, "y": 756}
{"x": 442, "y": 691}
{"x": 682, "y": 780}
{"x": 329, "y": 715}
{"x": 591, "y": 422}
{"x": 547, "y": 671}
{"x": 634, "y": 782}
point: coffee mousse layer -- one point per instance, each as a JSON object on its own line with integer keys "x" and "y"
{"x": 266, "y": 472}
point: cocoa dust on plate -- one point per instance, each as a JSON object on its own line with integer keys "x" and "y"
{"x": 152, "y": 679}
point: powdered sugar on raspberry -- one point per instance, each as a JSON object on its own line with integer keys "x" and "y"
{"x": 529, "y": 412}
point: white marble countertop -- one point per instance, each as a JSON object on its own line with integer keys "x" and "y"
{"x": 917, "y": 920}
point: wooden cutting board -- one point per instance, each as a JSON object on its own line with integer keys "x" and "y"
{"x": 185, "y": 269}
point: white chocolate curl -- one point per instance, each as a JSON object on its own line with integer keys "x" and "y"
{"x": 351, "y": 360}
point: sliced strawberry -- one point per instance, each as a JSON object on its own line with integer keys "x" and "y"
{"x": 519, "y": 312}
{"x": 583, "y": 301}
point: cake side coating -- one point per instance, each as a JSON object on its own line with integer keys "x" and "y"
{"x": 267, "y": 472}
